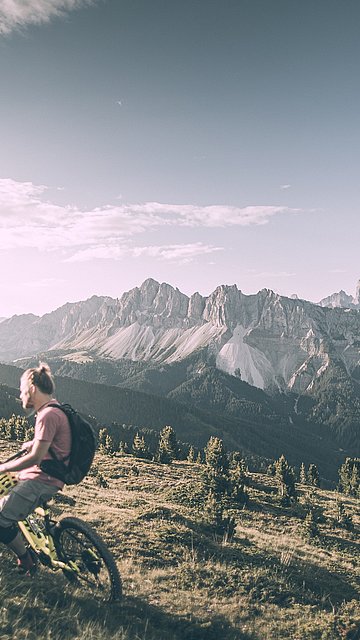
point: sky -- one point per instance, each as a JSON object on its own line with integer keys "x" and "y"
{"x": 196, "y": 142}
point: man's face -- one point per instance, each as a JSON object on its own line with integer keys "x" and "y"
{"x": 26, "y": 394}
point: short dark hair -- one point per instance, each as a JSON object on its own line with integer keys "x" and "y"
{"x": 41, "y": 377}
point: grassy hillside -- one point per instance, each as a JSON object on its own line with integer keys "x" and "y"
{"x": 181, "y": 580}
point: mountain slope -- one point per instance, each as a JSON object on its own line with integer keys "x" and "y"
{"x": 260, "y": 427}
{"x": 272, "y": 342}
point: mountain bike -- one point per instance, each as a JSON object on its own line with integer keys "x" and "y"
{"x": 69, "y": 545}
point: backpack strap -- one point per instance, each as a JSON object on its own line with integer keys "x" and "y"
{"x": 56, "y": 405}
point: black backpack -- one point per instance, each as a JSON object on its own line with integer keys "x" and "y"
{"x": 83, "y": 446}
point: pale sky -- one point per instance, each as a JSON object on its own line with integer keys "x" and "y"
{"x": 197, "y": 142}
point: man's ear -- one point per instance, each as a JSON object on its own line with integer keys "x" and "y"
{"x": 32, "y": 389}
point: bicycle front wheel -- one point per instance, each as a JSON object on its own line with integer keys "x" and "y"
{"x": 97, "y": 572}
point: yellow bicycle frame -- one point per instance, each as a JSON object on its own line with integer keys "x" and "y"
{"x": 38, "y": 538}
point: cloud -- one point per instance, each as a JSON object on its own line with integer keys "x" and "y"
{"x": 178, "y": 253}
{"x": 29, "y": 220}
{"x": 214, "y": 215}
{"x": 17, "y": 14}
{"x": 284, "y": 187}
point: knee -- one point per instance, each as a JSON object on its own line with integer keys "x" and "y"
{"x": 8, "y": 534}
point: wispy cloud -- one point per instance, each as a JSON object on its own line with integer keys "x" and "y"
{"x": 27, "y": 219}
{"x": 178, "y": 253}
{"x": 214, "y": 215}
{"x": 284, "y": 187}
{"x": 17, "y": 14}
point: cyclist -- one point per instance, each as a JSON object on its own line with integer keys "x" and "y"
{"x": 52, "y": 430}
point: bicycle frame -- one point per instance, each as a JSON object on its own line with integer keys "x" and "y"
{"x": 38, "y": 535}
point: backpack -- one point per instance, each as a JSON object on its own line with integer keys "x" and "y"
{"x": 83, "y": 446}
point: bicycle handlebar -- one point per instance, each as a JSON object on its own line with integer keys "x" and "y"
{"x": 19, "y": 454}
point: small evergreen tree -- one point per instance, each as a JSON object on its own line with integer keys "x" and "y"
{"x": 101, "y": 481}
{"x": 140, "y": 448}
{"x": 238, "y": 478}
{"x": 168, "y": 447}
{"x": 10, "y": 429}
{"x": 285, "y": 476}
{"x": 191, "y": 454}
{"x": 302, "y": 474}
{"x": 310, "y": 529}
{"x": 214, "y": 513}
{"x": 313, "y": 477}
{"x": 270, "y": 471}
{"x": 216, "y": 470}
{"x": 109, "y": 446}
{"x": 349, "y": 477}
{"x": 200, "y": 457}
{"x": 103, "y": 433}
{"x": 123, "y": 447}
{"x": 215, "y": 456}
{"x": 343, "y": 517}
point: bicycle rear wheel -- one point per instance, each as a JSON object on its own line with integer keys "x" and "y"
{"x": 76, "y": 541}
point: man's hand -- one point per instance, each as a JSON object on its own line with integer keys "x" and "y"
{"x": 38, "y": 451}
{"x": 26, "y": 446}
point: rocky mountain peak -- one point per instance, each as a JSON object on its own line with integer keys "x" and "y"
{"x": 342, "y": 299}
{"x": 272, "y": 340}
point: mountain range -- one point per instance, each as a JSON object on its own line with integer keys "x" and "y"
{"x": 268, "y": 340}
{"x": 262, "y": 370}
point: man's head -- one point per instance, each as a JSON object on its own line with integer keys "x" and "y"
{"x": 36, "y": 386}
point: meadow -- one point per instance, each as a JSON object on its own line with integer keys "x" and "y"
{"x": 183, "y": 581}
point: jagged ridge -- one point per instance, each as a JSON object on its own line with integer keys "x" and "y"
{"x": 268, "y": 340}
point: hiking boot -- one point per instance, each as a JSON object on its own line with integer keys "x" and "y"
{"x": 27, "y": 564}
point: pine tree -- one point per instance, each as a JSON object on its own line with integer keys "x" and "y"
{"x": 123, "y": 447}
{"x": 101, "y": 481}
{"x": 216, "y": 467}
{"x": 310, "y": 528}
{"x": 168, "y": 447}
{"x": 199, "y": 457}
{"x": 313, "y": 476}
{"x": 286, "y": 479}
{"x": 214, "y": 513}
{"x": 270, "y": 471}
{"x": 343, "y": 518}
{"x": 10, "y": 428}
{"x": 102, "y": 439}
{"x": 140, "y": 448}
{"x": 215, "y": 456}
{"x": 191, "y": 454}
{"x": 109, "y": 446}
{"x": 349, "y": 477}
{"x": 238, "y": 478}
{"x": 302, "y": 475}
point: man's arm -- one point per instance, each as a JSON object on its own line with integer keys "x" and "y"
{"x": 35, "y": 456}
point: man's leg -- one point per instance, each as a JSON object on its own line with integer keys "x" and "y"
{"x": 18, "y": 545}
{"x": 15, "y": 506}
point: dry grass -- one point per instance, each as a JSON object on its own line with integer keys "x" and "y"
{"x": 181, "y": 582}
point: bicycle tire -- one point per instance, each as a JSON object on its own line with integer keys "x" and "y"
{"x": 76, "y": 541}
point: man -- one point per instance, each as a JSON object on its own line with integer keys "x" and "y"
{"x": 52, "y": 430}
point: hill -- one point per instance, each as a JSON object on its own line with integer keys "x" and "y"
{"x": 259, "y": 427}
{"x": 184, "y": 582}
